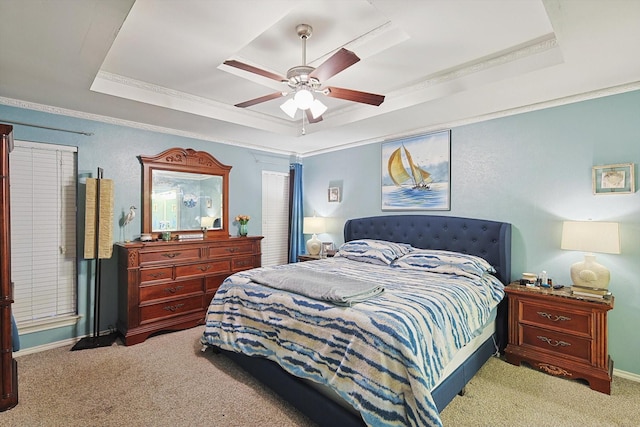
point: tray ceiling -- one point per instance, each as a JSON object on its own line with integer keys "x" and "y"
{"x": 159, "y": 64}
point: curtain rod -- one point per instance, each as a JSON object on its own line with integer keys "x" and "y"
{"x": 47, "y": 127}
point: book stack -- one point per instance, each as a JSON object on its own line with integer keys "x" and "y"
{"x": 590, "y": 292}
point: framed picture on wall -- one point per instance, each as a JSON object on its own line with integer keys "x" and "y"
{"x": 416, "y": 172}
{"x": 613, "y": 179}
{"x": 334, "y": 194}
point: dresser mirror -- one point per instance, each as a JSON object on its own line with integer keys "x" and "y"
{"x": 185, "y": 191}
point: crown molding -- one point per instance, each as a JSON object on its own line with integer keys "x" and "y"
{"x": 615, "y": 90}
{"x": 601, "y": 93}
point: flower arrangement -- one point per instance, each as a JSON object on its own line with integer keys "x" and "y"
{"x": 243, "y": 219}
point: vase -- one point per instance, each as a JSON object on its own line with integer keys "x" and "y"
{"x": 244, "y": 229}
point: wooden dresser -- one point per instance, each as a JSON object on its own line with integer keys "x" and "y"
{"x": 168, "y": 285}
{"x": 560, "y": 334}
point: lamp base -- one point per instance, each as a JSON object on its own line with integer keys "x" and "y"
{"x": 590, "y": 274}
{"x": 314, "y": 245}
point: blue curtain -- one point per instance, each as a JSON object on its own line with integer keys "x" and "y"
{"x": 296, "y": 214}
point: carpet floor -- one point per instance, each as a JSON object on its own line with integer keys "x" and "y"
{"x": 168, "y": 381}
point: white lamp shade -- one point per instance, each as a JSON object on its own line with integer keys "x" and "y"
{"x": 303, "y": 99}
{"x": 313, "y": 225}
{"x": 290, "y": 108}
{"x": 317, "y": 108}
{"x": 591, "y": 236}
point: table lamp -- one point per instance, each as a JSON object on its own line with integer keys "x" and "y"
{"x": 313, "y": 225}
{"x": 589, "y": 237}
{"x": 206, "y": 222}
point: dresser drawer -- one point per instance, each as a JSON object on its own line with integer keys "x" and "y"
{"x": 170, "y": 255}
{"x": 214, "y": 282}
{"x": 239, "y": 248}
{"x": 155, "y": 274}
{"x": 556, "y": 342}
{"x": 203, "y": 268}
{"x": 176, "y": 307}
{"x": 567, "y": 319}
{"x": 242, "y": 263}
{"x": 170, "y": 290}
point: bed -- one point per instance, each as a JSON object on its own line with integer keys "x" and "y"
{"x": 360, "y": 364}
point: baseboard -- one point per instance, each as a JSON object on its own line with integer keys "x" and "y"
{"x": 52, "y": 345}
{"x": 627, "y": 375}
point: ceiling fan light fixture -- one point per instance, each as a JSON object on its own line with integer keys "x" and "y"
{"x": 289, "y": 107}
{"x": 303, "y": 80}
{"x": 317, "y": 108}
{"x": 303, "y": 98}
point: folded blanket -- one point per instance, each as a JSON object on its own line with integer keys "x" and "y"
{"x": 334, "y": 288}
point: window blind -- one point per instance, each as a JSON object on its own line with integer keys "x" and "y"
{"x": 275, "y": 218}
{"x": 43, "y": 231}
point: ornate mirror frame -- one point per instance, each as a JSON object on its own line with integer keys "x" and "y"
{"x": 188, "y": 161}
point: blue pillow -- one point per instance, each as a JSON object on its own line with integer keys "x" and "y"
{"x": 445, "y": 262}
{"x": 373, "y": 251}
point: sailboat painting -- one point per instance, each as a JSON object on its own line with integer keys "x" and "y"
{"x": 416, "y": 172}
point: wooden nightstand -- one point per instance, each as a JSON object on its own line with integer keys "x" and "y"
{"x": 560, "y": 334}
{"x": 307, "y": 257}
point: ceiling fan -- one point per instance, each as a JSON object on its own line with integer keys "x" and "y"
{"x": 303, "y": 81}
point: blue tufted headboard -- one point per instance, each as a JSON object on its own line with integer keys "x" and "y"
{"x": 490, "y": 240}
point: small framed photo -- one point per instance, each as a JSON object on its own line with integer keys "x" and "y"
{"x": 327, "y": 249}
{"x": 613, "y": 179}
{"x": 334, "y": 194}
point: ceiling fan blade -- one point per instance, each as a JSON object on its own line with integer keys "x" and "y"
{"x": 355, "y": 96}
{"x": 260, "y": 100}
{"x": 310, "y": 118}
{"x": 340, "y": 60}
{"x": 255, "y": 70}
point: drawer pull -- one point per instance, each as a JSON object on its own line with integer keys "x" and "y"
{"x": 171, "y": 254}
{"x": 232, "y": 250}
{"x": 204, "y": 267}
{"x": 173, "y": 308}
{"x": 554, "y": 343}
{"x": 158, "y": 275}
{"x": 244, "y": 263}
{"x": 553, "y": 318}
{"x": 174, "y": 289}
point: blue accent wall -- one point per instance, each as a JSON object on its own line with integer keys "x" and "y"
{"x": 115, "y": 150}
{"x": 534, "y": 171}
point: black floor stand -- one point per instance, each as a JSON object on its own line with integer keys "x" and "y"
{"x": 96, "y": 340}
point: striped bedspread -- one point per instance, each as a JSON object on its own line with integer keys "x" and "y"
{"x": 383, "y": 355}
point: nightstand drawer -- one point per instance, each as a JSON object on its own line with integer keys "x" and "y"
{"x": 573, "y": 321}
{"x": 563, "y": 344}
